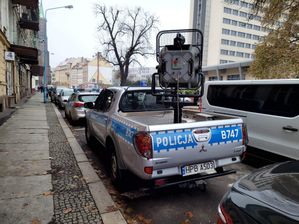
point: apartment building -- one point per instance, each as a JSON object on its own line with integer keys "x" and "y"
{"x": 19, "y": 26}
{"x": 231, "y": 32}
{"x": 81, "y": 72}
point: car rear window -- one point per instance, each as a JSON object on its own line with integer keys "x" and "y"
{"x": 87, "y": 98}
{"x": 137, "y": 101}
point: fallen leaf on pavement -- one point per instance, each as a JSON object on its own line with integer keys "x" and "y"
{"x": 48, "y": 193}
{"x": 189, "y": 214}
{"x": 67, "y": 210}
{"x": 187, "y": 221}
{"x": 35, "y": 221}
{"x": 110, "y": 208}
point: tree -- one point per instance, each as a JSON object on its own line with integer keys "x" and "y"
{"x": 278, "y": 55}
{"x": 125, "y": 36}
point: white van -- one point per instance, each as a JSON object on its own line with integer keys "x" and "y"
{"x": 270, "y": 108}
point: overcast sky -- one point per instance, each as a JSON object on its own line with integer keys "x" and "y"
{"x": 72, "y": 32}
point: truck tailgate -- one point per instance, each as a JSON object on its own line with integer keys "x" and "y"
{"x": 176, "y": 145}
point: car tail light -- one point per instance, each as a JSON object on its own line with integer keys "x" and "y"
{"x": 223, "y": 216}
{"x": 244, "y": 135}
{"x": 78, "y": 104}
{"x": 148, "y": 169}
{"x": 143, "y": 144}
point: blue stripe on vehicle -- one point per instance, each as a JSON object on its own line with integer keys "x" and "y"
{"x": 123, "y": 131}
{"x": 225, "y": 135}
{"x": 175, "y": 140}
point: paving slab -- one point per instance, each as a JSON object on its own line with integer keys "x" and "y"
{"x": 23, "y": 155}
{"x": 24, "y": 168}
{"x": 4, "y": 147}
{"x": 3, "y": 131}
{"x": 19, "y": 187}
{"x": 24, "y": 138}
{"x": 38, "y": 209}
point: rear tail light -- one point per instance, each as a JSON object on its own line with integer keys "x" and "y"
{"x": 78, "y": 104}
{"x": 223, "y": 216}
{"x": 143, "y": 144}
{"x": 244, "y": 135}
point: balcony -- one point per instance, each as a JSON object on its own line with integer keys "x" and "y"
{"x": 37, "y": 70}
{"x": 29, "y": 20}
{"x": 28, "y": 3}
{"x": 27, "y": 55}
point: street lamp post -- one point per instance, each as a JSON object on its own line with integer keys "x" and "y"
{"x": 46, "y": 47}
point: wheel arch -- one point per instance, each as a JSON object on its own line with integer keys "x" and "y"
{"x": 111, "y": 144}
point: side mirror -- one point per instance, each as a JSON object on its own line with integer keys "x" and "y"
{"x": 89, "y": 105}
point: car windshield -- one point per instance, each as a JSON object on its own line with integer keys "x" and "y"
{"x": 67, "y": 92}
{"x": 142, "y": 100}
{"x": 87, "y": 98}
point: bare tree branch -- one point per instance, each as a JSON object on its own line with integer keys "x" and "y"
{"x": 125, "y": 36}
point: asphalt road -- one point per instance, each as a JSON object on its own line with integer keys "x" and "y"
{"x": 173, "y": 205}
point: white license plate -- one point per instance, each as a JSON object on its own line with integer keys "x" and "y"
{"x": 198, "y": 168}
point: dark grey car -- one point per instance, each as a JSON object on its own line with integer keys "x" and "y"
{"x": 269, "y": 195}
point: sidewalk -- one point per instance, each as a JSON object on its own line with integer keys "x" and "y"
{"x": 45, "y": 176}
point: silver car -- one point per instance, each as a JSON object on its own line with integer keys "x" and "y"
{"x": 74, "y": 108}
{"x": 63, "y": 97}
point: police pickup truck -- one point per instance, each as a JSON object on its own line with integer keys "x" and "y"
{"x": 137, "y": 130}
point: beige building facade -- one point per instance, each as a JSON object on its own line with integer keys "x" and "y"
{"x": 19, "y": 25}
{"x": 231, "y": 32}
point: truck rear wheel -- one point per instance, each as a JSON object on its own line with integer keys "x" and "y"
{"x": 116, "y": 174}
{"x": 89, "y": 138}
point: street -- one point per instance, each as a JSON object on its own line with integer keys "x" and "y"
{"x": 179, "y": 204}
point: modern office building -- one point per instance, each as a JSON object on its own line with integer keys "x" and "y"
{"x": 231, "y": 32}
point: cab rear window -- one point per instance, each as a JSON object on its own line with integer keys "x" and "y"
{"x": 87, "y": 98}
{"x": 137, "y": 101}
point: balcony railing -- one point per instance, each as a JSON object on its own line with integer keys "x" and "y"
{"x": 30, "y": 20}
{"x": 28, "y": 3}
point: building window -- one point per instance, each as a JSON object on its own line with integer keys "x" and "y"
{"x": 232, "y": 43}
{"x": 224, "y": 52}
{"x": 243, "y": 14}
{"x": 227, "y": 10}
{"x": 244, "y": 4}
{"x": 223, "y": 61}
{"x": 234, "y": 33}
{"x": 235, "y": 12}
{"x": 213, "y": 78}
{"x": 255, "y": 37}
{"x": 226, "y": 21}
{"x": 253, "y": 46}
{"x": 241, "y": 34}
{"x": 249, "y": 26}
{"x": 257, "y": 27}
{"x": 232, "y": 53}
{"x": 233, "y": 77}
{"x": 247, "y": 55}
{"x": 248, "y": 35}
{"x": 240, "y": 54}
{"x": 234, "y": 22}
{"x": 241, "y": 24}
{"x": 240, "y": 44}
{"x": 225, "y": 31}
{"x": 224, "y": 41}
{"x": 247, "y": 45}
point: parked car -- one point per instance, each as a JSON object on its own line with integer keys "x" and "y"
{"x": 74, "y": 108}
{"x": 63, "y": 97}
{"x": 56, "y": 92}
{"x": 138, "y": 132}
{"x": 268, "y": 195}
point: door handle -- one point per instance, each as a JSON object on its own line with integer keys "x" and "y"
{"x": 290, "y": 129}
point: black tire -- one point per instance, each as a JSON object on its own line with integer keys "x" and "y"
{"x": 116, "y": 174}
{"x": 66, "y": 116}
{"x": 88, "y": 136}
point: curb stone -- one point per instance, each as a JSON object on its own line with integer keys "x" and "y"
{"x": 100, "y": 194}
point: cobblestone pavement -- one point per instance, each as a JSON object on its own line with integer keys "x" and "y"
{"x": 73, "y": 202}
